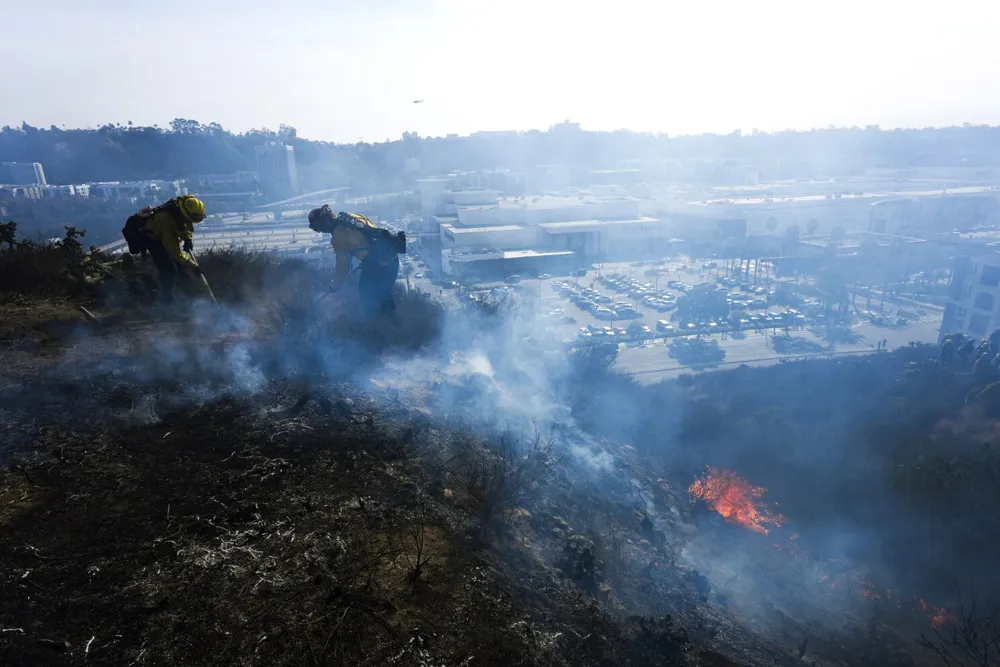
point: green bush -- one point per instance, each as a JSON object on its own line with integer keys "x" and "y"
{"x": 53, "y": 267}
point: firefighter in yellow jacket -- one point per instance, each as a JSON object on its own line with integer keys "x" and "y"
{"x": 167, "y": 234}
{"x": 354, "y": 236}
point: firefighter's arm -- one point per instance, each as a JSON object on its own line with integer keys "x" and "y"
{"x": 171, "y": 239}
{"x": 342, "y": 269}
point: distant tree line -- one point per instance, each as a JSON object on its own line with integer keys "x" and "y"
{"x": 188, "y": 148}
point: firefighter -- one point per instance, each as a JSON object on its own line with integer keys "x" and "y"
{"x": 166, "y": 232}
{"x": 994, "y": 341}
{"x": 966, "y": 351}
{"x": 354, "y": 236}
{"x": 947, "y": 349}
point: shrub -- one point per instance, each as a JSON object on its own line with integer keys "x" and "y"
{"x": 55, "y": 267}
{"x": 302, "y": 310}
{"x": 238, "y": 274}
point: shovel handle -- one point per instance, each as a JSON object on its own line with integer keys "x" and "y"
{"x": 204, "y": 280}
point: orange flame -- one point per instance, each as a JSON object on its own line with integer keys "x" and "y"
{"x": 735, "y": 499}
{"x": 739, "y": 502}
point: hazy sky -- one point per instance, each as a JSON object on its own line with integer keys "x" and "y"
{"x": 344, "y": 70}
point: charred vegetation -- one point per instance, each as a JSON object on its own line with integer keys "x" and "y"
{"x": 268, "y": 481}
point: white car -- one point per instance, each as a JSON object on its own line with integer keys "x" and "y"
{"x": 602, "y": 312}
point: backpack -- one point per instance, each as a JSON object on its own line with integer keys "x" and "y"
{"x": 134, "y": 233}
{"x": 134, "y": 230}
{"x": 383, "y": 245}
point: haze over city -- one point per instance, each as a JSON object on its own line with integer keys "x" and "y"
{"x": 480, "y": 334}
{"x": 343, "y": 71}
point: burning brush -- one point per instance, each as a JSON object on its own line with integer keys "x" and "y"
{"x": 735, "y": 499}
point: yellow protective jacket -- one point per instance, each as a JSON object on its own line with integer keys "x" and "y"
{"x": 166, "y": 230}
{"x": 349, "y": 241}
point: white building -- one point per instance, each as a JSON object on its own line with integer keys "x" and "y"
{"x": 22, "y": 173}
{"x": 64, "y": 191}
{"x": 974, "y": 293}
{"x": 935, "y": 213}
{"x": 137, "y": 189}
{"x": 854, "y": 205}
{"x": 276, "y": 169}
{"x": 583, "y": 227}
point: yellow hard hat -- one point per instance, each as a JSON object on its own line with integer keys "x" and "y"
{"x": 192, "y": 208}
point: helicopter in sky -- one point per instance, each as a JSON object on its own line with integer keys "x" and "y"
{"x": 418, "y": 101}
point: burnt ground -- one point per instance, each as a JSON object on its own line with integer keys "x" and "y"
{"x": 228, "y": 535}
{"x": 156, "y": 522}
{"x": 181, "y": 515}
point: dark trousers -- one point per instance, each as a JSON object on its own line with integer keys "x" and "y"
{"x": 166, "y": 267}
{"x": 375, "y": 286}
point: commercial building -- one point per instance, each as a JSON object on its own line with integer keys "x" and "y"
{"x": 855, "y": 206}
{"x": 65, "y": 191}
{"x": 942, "y": 212}
{"x": 22, "y": 173}
{"x": 276, "y": 169}
{"x": 137, "y": 189}
{"x": 20, "y": 192}
{"x": 546, "y": 233}
{"x": 973, "y": 305}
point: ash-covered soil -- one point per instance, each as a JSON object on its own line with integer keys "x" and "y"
{"x": 227, "y": 533}
{"x": 202, "y": 521}
{"x": 187, "y": 504}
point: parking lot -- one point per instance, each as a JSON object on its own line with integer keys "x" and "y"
{"x": 609, "y": 305}
{"x": 601, "y": 304}
{"x": 633, "y": 305}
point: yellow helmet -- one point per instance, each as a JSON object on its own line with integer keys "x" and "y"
{"x": 191, "y": 208}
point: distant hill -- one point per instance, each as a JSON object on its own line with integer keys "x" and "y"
{"x": 188, "y": 148}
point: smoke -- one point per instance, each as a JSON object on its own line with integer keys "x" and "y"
{"x": 488, "y": 371}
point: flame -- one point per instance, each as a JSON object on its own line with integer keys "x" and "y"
{"x": 739, "y": 502}
{"x": 735, "y": 499}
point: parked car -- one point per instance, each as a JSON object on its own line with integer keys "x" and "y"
{"x": 604, "y": 313}
{"x": 627, "y": 312}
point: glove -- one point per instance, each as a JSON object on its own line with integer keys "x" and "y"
{"x": 188, "y": 245}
